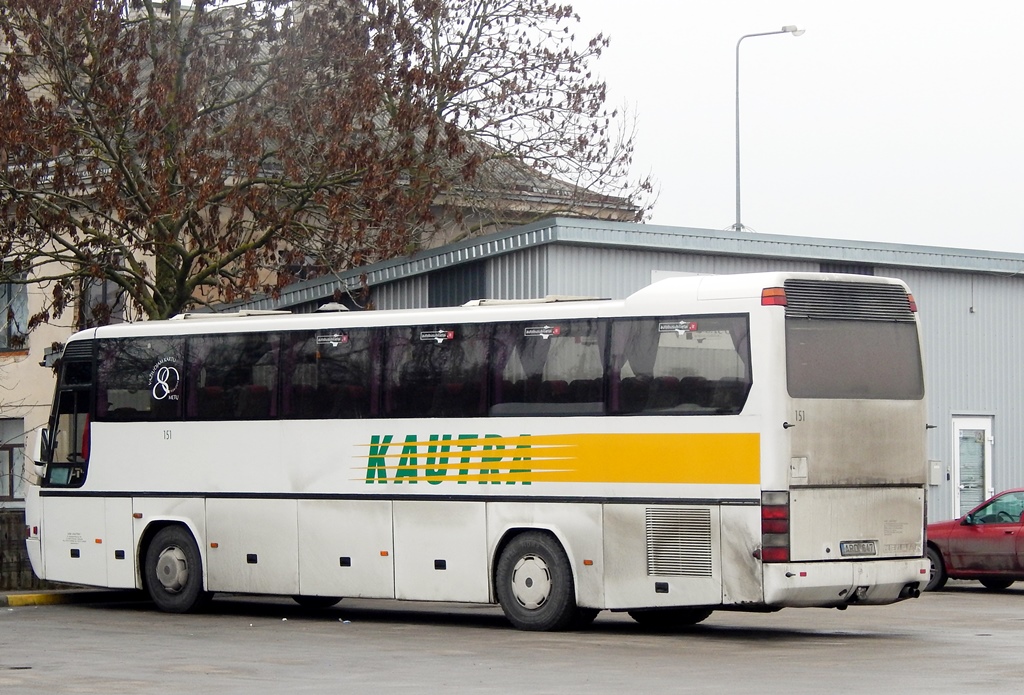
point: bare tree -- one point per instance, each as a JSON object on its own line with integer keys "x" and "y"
{"x": 184, "y": 153}
{"x": 515, "y": 81}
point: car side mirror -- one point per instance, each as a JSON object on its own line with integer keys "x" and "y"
{"x": 968, "y": 520}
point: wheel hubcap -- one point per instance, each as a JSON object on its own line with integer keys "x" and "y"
{"x": 172, "y": 569}
{"x": 531, "y": 582}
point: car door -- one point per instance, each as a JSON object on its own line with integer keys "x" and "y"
{"x": 987, "y": 539}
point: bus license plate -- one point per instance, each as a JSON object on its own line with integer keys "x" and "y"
{"x": 857, "y": 548}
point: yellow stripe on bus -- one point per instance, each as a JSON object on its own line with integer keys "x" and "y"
{"x": 567, "y": 458}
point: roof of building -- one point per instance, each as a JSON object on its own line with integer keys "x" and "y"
{"x": 637, "y": 236}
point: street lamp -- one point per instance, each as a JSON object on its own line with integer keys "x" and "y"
{"x": 790, "y": 29}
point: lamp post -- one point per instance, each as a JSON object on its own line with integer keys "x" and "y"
{"x": 790, "y": 29}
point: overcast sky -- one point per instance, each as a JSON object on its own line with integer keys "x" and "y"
{"x": 898, "y": 120}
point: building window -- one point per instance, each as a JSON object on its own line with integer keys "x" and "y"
{"x": 12, "y": 460}
{"x": 102, "y": 303}
{"x": 14, "y": 308}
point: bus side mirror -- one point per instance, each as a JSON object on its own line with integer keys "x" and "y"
{"x": 40, "y": 444}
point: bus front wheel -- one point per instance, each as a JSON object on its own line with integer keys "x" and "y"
{"x": 174, "y": 571}
{"x": 535, "y": 585}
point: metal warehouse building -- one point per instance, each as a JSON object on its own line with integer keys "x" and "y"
{"x": 970, "y": 308}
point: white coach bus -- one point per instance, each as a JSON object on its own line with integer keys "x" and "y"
{"x": 743, "y": 442}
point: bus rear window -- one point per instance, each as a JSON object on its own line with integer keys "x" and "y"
{"x": 828, "y": 358}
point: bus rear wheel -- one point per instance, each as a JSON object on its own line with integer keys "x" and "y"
{"x": 670, "y": 618}
{"x": 535, "y": 586}
{"x": 174, "y": 571}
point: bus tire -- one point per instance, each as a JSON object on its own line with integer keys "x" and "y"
{"x": 534, "y": 584}
{"x": 316, "y": 601}
{"x": 174, "y": 571}
{"x": 937, "y": 570}
{"x": 670, "y": 618}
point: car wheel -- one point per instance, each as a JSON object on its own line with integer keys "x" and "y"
{"x": 937, "y": 575}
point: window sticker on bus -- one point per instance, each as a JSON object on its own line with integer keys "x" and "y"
{"x": 332, "y": 339}
{"x": 438, "y": 336}
{"x": 164, "y": 380}
{"x": 544, "y": 332}
{"x": 679, "y": 327}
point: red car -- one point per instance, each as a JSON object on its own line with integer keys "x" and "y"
{"x": 987, "y": 544}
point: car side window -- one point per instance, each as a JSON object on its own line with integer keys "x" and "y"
{"x": 1005, "y": 509}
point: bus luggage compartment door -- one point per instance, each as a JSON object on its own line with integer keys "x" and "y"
{"x": 439, "y": 551}
{"x": 257, "y": 548}
{"x": 73, "y": 539}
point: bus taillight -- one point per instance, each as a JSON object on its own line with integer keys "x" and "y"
{"x": 774, "y": 526}
{"x": 913, "y": 303}
{"x": 773, "y": 296}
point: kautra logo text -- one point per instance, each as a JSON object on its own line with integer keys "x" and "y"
{"x": 460, "y": 458}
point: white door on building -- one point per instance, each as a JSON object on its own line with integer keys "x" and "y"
{"x": 972, "y": 463}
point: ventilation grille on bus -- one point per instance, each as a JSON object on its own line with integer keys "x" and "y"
{"x": 865, "y": 301}
{"x": 78, "y": 350}
{"x": 678, "y": 542}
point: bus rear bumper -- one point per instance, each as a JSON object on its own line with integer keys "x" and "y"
{"x": 843, "y": 583}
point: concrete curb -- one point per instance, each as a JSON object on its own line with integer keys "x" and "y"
{"x": 65, "y": 596}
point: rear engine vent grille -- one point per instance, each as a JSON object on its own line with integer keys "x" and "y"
{"x": 863, "y": 301}
{"x": 678, "y": 542}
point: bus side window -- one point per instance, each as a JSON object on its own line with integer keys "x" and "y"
{"x": 329, "y": 374}
{"x": 436, "y": 371}
{"x": 66, "y": 451}
{"x": 680, "y": 365}
{"x": 67, "y": 437}
{"x": 549, "y": 368}
{"x": 140, "y": 379}
{"x": 233, "y": 376}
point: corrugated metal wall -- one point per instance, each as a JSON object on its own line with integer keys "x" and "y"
{"x": 616, "y": 273}
{"x": 408, "y": 293}
{"x": 522, "y": 274}
{"x": 458, "y": 284}
{"x": 973, "y": 329}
